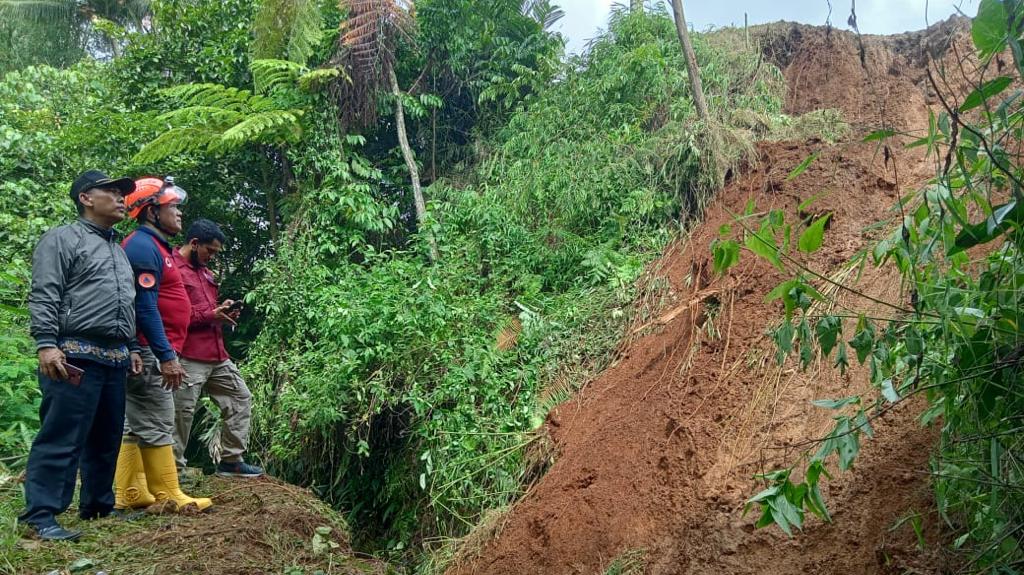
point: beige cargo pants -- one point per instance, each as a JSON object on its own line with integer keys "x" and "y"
{"x": 222, "y": 382}
{"x": 148, "y": 407}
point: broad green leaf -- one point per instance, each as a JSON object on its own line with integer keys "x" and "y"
{"x": 863, "y": 340}
{"x": 766, "y": 518}
{"x": 726, "y": 253}
{"x": 765, "y": 494}
{"x": 827, "y": 330}
{"x": 989, "y": 28}
{"x": 984, "y": 92}
{"x": 842, "y": 362}
{"x": 763, "y": 245}
{"x": 783, "y": 341}
{"x": 810, "y": 240}
{"x": 815, "y": 470}
{"x": 878, "y": 135}
{"x": 836, "y": 403}
{"x": 849, "y": 446}
{"x": 861, "y": 422}
{"x": 816, "y": 504}
{"x": 803, "y": 166}
{"x": 781, "y": 507}
{"x": 780, "y": 518}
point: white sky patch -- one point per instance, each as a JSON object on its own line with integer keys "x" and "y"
{"x": 584, "y": 18}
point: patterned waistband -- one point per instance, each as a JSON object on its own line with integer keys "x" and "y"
{"x": 84, "y": 349}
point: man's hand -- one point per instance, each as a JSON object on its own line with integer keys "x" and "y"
{"x": 223, "y": 313}
{"x": 173, "y": 374}
{"x": 51, "y": 363}
{"x": 136, "y": 368}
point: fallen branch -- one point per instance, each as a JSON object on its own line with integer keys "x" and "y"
{"x": 672, "y": 314}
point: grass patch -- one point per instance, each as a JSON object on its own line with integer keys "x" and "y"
{"x": 255, "y": 526}
{"x": 629, "y": 562}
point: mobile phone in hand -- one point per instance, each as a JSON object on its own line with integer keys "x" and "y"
{"x": 75, "y": 373}
{"x": 235, "y": 305}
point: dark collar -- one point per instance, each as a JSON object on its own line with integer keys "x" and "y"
{"x": 105, "y": 233}
{"x": 159, "y": 237}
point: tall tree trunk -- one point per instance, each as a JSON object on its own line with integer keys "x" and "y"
{"x": 410, "y": 162}
{"x": 691, "y": 61}
{"x": 636, "y": 6}
{"x": 269, "y": 185}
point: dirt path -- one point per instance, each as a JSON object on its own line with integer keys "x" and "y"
{"x": 657, "y": 454}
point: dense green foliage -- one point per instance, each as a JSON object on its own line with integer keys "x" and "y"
{"x": 955, "y": 337}
{"x": 405, "y": 391}
{"x": 384, "y": 382}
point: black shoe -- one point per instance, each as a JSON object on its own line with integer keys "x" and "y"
{"x": 123, "y": 515}
{"x": 57, "y": 533}
{"x": 238, "y": 469}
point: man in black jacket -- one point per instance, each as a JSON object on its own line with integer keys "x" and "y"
{"x": 83, "y": 321}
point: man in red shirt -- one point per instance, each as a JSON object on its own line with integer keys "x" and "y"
{"x": 207, "y": 365}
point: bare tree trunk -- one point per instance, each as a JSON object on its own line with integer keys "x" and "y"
{"x": 269, "y": 186}
{"x": 636, "y": 6}
{"x": 691, "y": 61}
{"x": 410, "y": 162}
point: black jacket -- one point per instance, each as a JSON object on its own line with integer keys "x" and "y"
{"x": 82, "y": 286}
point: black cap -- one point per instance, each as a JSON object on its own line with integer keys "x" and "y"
{"x": 97, "y": 179}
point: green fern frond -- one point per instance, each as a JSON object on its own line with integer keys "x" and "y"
{"x": 267, "y": 74}
{"x": 289, "y": 29}
{"x": 217, "y": 96}
{"x": 272, "y": 127}
{"x": 306, "y": 30}
{"x": 173, "y": 142}
{"x": 194, "y": 115}
{"x": 315, "y": 78}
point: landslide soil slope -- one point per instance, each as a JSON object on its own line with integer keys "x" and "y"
{"x": 656, "y": 456}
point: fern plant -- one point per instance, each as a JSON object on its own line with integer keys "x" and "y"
{"x": 215, "y": 119}
{"x": 289, "y": 29}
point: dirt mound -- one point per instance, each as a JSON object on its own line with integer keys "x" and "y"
{"x": 655, "y": 457}
{"x": 256, "y": 526}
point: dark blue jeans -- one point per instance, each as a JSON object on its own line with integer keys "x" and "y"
{"x": 80, "y": 426}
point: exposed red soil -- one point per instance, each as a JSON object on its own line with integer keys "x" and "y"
{"x": 658, "y": 453}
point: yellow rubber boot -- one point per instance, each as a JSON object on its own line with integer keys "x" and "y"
{"x": 130, "y": 489}
{"x": 162, "y": 477}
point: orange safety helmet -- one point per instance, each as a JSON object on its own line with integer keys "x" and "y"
{"x": 154, "y": 192}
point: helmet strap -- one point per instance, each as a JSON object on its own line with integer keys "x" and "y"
{"x": 156, "y": 221}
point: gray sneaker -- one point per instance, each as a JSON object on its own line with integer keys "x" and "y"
{"x": 238, "y": 469}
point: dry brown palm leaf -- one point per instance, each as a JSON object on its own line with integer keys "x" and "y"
{"x": 366, "y": 49}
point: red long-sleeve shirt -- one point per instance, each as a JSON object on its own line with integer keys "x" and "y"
{"x": 205, "y": 341}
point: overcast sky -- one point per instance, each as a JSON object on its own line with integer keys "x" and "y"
{"x": 583, "y": 18}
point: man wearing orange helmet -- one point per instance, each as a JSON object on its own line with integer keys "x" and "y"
{"x": 146, "y": 472}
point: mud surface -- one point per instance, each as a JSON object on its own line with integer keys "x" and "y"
{"x": 656, "y": 456}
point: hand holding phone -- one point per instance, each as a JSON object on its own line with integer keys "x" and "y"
{"x": 235, "y": 305}
{"x": 75, "y": 373}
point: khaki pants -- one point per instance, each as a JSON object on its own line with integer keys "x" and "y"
{"x": 224, "y": 385}
{"x": 148, "y": 407}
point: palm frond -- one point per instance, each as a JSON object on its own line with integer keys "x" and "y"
{"x": 367, "y": 52}
{"x": 543, "y": 11}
